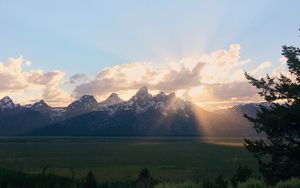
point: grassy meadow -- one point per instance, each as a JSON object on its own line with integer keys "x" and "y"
{"x": 168, "y": 159}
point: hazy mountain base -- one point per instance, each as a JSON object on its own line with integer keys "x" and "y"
{"x": 123, "y": 123}
{"x": 191, "y": 122}
{"x": 143, "y": 114}
{"x": 19, "y": 121}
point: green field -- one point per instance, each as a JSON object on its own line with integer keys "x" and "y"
{"x": 173, "y": 159}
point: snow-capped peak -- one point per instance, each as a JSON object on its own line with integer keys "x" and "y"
{"x": 86, "y": 102}
{"x": 87, "y": 99}
{"x": 142, "y": 93}
{"x": 250, "y": 109}
{"x": 7, "y": 103}
{"x": 245, "y": 107}
{"x": 6, "y": 99}
{"x": 111, "y": 100}
{"x": 40, "y": 104}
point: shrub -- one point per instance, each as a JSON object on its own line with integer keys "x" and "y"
{"x": 187, "y": 184}
{"x": 252, "y": 183}
{"x": 242, "y": 174}
{"x": 207, "y": 183}
{"x": 292, "y": 183}
{"x": 220, "y": 182}
{"x": 90, "y": 181}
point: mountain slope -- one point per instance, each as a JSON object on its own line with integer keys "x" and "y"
{"x": 7, "y": 103}
{"x": 84, "y": 104}
{"x": 145, "y": 115}
{"x": 15, "y": 120}
{"x": 236, "y": 114}
{"x": 142, "y": 115}
{"x": 111, "y": 100}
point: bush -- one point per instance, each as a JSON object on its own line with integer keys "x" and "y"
{"x": 292, "y": 183}
{"x": 207, "y": 183}
{"x": 220, "y": 182}
{"x": 242, "y": 174}
{"x": 145, "y": 180}
{"x": 90, "y": 181}
{"x": 187, "y": 184}
{"x": 252, "y": 183}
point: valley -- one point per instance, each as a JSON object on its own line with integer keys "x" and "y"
{"x": 121, "y": 158}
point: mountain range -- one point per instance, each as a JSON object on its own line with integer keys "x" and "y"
{"x": 142, "y": 115}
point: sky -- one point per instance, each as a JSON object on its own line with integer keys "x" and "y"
{"x": 60, "y": 50}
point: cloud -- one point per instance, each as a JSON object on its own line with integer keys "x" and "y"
{"x": 167, "y": 76}
{"x": 213, "y": 80}
{"x": 28, "y": 63}
{"x": 132, "y": 76}
{"x": 212, "y": 71}
{"x": 180, "y": 79}
{"x": 262, "y": 67}
{"x": 45, "y": 78}
{"x": 55, "y": 95}
{"x": 75, "y": 78}
{"x": 17, "y": 82}
{"x": 234, "y": 90}
{"x": 11, "y": 75}
{"x": 221, "y": 95}
{"x": 210, "y": 78}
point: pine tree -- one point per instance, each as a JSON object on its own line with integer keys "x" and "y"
{"x": 90, "y": 181}
{"x": 278, "y": 154}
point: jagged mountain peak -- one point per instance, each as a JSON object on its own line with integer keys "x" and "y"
{"x": 6, "y": 102}
{"x": 160, "y": 96}
{"x": 113, "y": 99}
{"x": 246, "y": 107}
{"x": 86, "y": 98}
{"x": 142, "y": 93}
{"x": 40, "y": 104}
{"x": 143, "y": 88}
{"x": 84, "y": 104}
{"x": 239, "y": 110}
{"x": 113, "y": 96}
{"x": 6, "y": 99}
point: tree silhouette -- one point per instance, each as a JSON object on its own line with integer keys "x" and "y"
{"x": 242, "y": 174}
{"x": 90, "y": 181}
{"x": 279, "y": 153}
{"x": 144, "y": 180}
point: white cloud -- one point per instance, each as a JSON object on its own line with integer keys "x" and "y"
{"x": 216, "y": 76}
{"x": 212, "y": 79}
{"x": 262, "y": 67}
{"x": 11, "y": 75}
{"x": 17, "y": 82}
{"x": 180, "y": 79}
{"x": 132, "y": 76}
{"x": 28, "y": 63}
{"x": 216, "y": 79}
